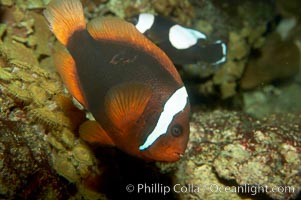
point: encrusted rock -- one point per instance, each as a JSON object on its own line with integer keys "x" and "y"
{"x": 231, "y": 154}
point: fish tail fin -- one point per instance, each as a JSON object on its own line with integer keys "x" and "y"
{"x": 215, "y": 53}
{"x": 223, "y": 51}
{"x": 219, "y": 49}
{"x": 65, "y": 17}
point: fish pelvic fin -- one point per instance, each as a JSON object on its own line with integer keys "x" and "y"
{"x": 92, "y": 132}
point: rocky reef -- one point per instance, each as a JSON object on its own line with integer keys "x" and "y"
{"x": 231, "y": 155}
{"x": 263, "y": 46}
{"x": 38, "y": 139}
{"x": 238, "y": 154}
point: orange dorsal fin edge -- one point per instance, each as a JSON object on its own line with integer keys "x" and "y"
{"x": 114, "y": 29}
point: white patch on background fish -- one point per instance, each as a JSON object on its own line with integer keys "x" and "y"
{"x": 183, "y": 38}
{"x": 145, "y": 22}
{"x": 224, "y": 50}
{"x": 175, "y": 104}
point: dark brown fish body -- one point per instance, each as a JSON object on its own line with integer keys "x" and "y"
{"x": 125, "y": 82}
{"x": 102, "y": 65}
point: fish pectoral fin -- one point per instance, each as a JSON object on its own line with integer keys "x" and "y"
{"x": 125, "y": 104}
{"x": 67, "y": 69}
{"x": 92, "y": 132}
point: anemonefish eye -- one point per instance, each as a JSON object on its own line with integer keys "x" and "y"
{"x": 176, "y": 130}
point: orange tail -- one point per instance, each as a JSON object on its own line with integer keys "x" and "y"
{"x": 65, "y": 17}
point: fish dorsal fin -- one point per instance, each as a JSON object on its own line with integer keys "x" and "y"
{"x": 118, "y": 30}
{"x": 92, "y": 132}
{"x": 66, "y": 67}
{"x": 125, "y": 104}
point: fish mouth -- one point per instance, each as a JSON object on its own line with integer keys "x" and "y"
{"x": 178, "y": 155}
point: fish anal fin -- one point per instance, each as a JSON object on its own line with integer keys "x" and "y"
{"x": 92, "y": 132}
{"x": 118, "y": 30}
{"x": 67, "y": 69}
{"x": 125, "y": 104}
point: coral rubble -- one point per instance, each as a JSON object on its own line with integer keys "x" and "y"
{"x": 228, "y": 149}
{"x": 37, "y": 132}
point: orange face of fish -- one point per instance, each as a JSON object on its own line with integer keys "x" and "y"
{"x": 121, "y": 78}
{"x": 171, "y": 145}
